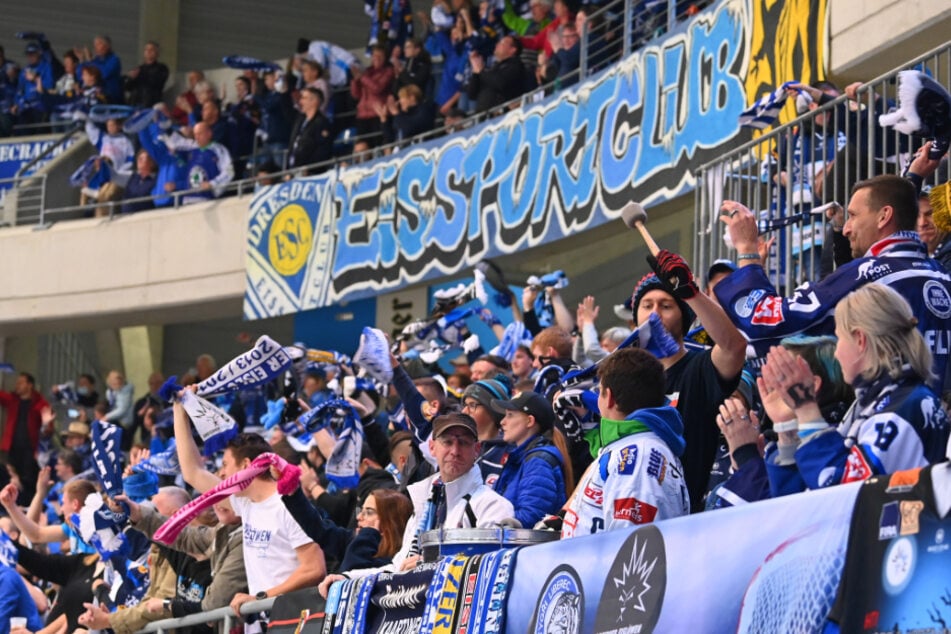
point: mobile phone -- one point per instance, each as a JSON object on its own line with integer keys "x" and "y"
{"x": 72, "y": 413}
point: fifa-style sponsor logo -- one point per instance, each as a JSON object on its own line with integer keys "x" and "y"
{"x": 873, "y": 270}
{"x": 634, "y": 511}
{"x": 745, "y": 306}
{"x": 560, "y": 604}
{"x": 937, "y": 299}
{"x": 593, "y": 494}
{"x": 769, "y": 312}
{"x": 889, "y": 521}
{"x": 657, "y": 465}
{"x": 627, "y": 460}
{"x": 633, "y": 592}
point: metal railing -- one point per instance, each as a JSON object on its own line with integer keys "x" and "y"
{"x": 63, "y": 357}
{"x": 223, "y": 615}
{"x": 611, "y": 33}
{"x": 22, "y": 196}
{"x": 791, "y": 174}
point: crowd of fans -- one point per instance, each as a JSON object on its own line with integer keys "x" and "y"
{"x": 486, "y": 53}
{"x": 560, "y": 427}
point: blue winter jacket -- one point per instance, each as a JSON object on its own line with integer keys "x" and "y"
{"x": 533, "y": 485}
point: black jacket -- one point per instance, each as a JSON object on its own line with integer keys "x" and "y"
{"x": 503, "y": 82}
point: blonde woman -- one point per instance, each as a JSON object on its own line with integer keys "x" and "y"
{"x": 896, "y": 422}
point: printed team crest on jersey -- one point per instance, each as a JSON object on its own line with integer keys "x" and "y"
{"x": 857, "y": 467}
{"x": 560, "y": 604}
{"x": 910, "y": 510}
{"x": 745, "y": 305}
{"x": 633, "y": 592}
{"x": 937, "y": 299}
{"x": 627, "y": 460}
{"x": 899, "y": 565}
{"x": 769, "y": 312}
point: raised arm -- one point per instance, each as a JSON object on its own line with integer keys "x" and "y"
{"x": 193, "y": 465}
{"x": 33, "y": 531}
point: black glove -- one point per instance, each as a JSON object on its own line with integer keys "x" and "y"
{"x": 674, "y": 274}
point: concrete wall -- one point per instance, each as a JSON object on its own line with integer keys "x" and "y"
{"x": 871, "y": 37}
{"x": 154, "y": 267}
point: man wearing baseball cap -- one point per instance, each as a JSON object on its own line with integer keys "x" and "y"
{"x": 533, "y": 477}
{"x": 454, "y": 497}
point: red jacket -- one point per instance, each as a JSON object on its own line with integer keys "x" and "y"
{"x": 11, "y": 403}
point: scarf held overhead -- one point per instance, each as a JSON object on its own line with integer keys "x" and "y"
{"x": 290, "y": 477}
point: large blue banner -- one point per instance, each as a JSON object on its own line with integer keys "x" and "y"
{"x": 17, "y": 152}
{"x": 772, "y": 566}
{"x": 537, "y": 174}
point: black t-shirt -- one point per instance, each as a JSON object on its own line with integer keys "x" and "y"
{"x": 897, "y": 575}
{"x": 696, "y": 390}
{"x": 21, "y": 434}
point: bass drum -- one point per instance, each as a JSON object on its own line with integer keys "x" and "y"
{"x": 447, "y": 542}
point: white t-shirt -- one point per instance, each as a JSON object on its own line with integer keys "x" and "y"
{"x": 270, "y": 538}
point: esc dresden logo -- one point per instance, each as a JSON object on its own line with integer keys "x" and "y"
{"x": 561, "y": 604}
{"x": 290, "y": 240}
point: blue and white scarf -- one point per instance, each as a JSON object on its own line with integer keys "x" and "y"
{"x": 265, "y": 361}
{"x": 765, "y": 111}
{"x": 164, "y": 463}
{"x": 107, "y": 456}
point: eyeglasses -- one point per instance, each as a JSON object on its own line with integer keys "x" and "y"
{"x": 463, "y": 441}
{"x": 471, "y": 405}
{"x": 369, "y": 512}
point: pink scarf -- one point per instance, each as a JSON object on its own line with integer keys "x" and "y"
{"x": 290, "y": 478}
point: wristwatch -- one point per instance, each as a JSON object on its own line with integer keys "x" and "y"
{"x": 260, "y": 596}
{"x": 167, "y": 605}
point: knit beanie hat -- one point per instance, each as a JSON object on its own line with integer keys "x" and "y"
{"x": 482, "y": 392}
{"x": 651, "y": 282}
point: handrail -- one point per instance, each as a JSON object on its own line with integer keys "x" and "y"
{"x": 52, "y": 148}
{"x": 225, "y": 614}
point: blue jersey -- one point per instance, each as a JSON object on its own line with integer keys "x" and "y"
{"x": 899, "y": 261}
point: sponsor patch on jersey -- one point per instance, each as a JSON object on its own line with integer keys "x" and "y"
{"x": 857, "y": 467}
{"x": 889, "y": 521}
{"x": 745, "y": 305}
{"x": 627, "y": 460}
{"x": 872, "y": 270}
{"x": 593, "y": 495}
{"x": 560, "y": 604}
{"x": 569, "y": 524}
{"x": 769, "y": 312}
{"x": 634, "y": 588}
{"x": 937, "y": 299}
{"x": 910, "y": 510}
{"x": 634, "y": 511}
{"x": 657, "y": 466}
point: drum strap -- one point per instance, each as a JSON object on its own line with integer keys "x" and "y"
{"x": 470, "y": 514}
